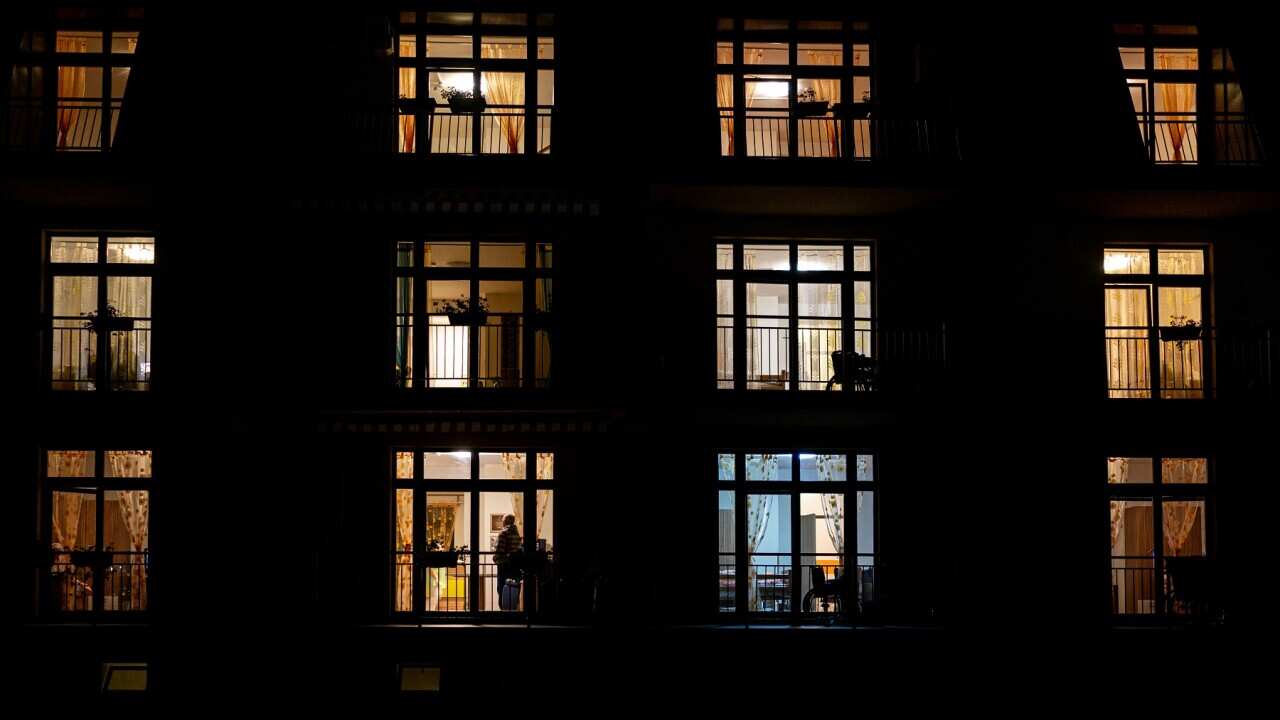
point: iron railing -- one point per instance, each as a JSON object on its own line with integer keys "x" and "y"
{"x": 1179, "y": 362}
{"x": 414, "y": 129}
{"x": 1185, "y": 139}
{"x": 838, "y": 134}
{"x": 76, "y": 365}
{"x": 69, "y": 125}
{"x": 488, "y": 355}
{"x": 775, "y": 585}
{"x": 471, "y": 585}
{"x": 1178, "y": 587}
{"x": 88, "y": 581}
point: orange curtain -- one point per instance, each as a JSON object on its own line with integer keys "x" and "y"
{"x": 827, "y": 89}
{"x": 1179, "y": 520}
{"x": 724, "y": 102}
{"x": 408, "y": 90}
{"x": 72, "y": 83}
{"x": 506, "y": 88}
{"x": 1177, "y": 100}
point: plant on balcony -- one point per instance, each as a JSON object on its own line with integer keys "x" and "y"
{"x": 108, "y": 320}
{"x": 466, "y": 312}
{"x": 1180, "y": 330}
{"x": 464, "y": 101}
{"x": 808, "y": 104}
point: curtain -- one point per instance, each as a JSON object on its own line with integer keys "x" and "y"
{"x": 408, "y": 90}
{"x": 1128, "y": 353}
{"x": 759, "y": 508}
{"x": 1179, "y": 520}
{"x": 506, "y": 88}
{"x": 827, "y": 89}
{"x": 724, "y": 102}
{"x": 404, "y": 542}
{"x": 67, "y": 505}
{"x": 72, "y": 83}
{"x": 1177, "y": 100}
{"x": 830, "y": 466}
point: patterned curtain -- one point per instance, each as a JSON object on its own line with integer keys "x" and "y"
{"x": 830, "y": 466}
{"x": 759, "y": 508}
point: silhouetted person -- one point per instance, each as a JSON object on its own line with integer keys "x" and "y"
{"x": 508, "y": 545}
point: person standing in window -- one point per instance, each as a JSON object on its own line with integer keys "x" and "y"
{"x": 508, "y": 545}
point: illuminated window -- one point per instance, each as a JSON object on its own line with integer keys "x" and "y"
{"x": 1160, "y": 534}
{"x": 1169, "y": 71}
{"x": 68, "y": 81}
{"x": 791, "y": 522}
{"x": 466, "y": 566}
{"x": 99, "y": 530}
{"x": 1156, "y": 301}
{"x": 787, "y": 312}
{"x": 99, "y": 298}
{"x": 473, "y": 313}
{"x": 785, "y": 90}
{"x": 475, "y": 83}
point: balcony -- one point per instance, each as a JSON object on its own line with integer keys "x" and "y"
{"x": 77, "y": 364}
{"x": 1183, "y": 587}
{"x": 1182, "y": 139}
{"x": 776, "y": 586}
{"x": 1199, "y": 362}
{"x": 89, "y": 581}
{"x": 461, "y": 583}
{"x": 494, "y": 131}
{"x": 76, "y": 125}
{"x": 881, "y": 359}
{"x": 838, "y": 135}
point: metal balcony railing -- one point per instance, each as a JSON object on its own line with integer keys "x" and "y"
{"x": 824, "y": 586}
{"x": 76, "y": 365}
{"x": 88, "y": 581}
{"x": 471, "y": 585}
{"x": 1188, "y": 139}
{"x": 1180, "y": 587}
{"x": 69, "y": 125}
{"x": 1179, "y": 362}
{"x": 840, "y": 133}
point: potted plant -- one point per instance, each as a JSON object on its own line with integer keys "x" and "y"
{"x": 411, "y": 105}
{"x": 1181, "y": 329}
{"x": 466, "y": 312}
{"x": 464, "y": 101}
{"x": 108, "y": 320}
{"x": 808, "y": 104}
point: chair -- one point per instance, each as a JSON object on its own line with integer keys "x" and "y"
{"x": 853, "y": 368}
{"x": 824, "y": 590}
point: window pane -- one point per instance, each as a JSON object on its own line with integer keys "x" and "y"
{"x": 79, "y": 41}
{"x": 768, "y": 299}
{"x": 766, "y": 257}
{"x": 822, "y": 528}
{"x": 724, "y": 297}
{"x": 128, "y": 463}
{"x": 69, "y": 463}
{"x": 724, "y": 257}
{"x": 139, "y": 250}
{"x": 448, "y": 528}
{"x": 504, "y": 48}
{"x": 79, "y": 82}
{"x": 503, "y": 296}
{"x": 74, "y": 525}
{"x": 404, "y": 465}
{"x": 1126, "y": 262}
{"x": 450, "y": 18}
{"x": 130, "y": 296}
{"x": 124, "y": 42}
{"x": 1176, "y": 59}
{"x": 119, "y": 81}
{"x": 448, "y": 254}
{"x": 866, "y": 470}
{"x": 769, "y": 550}
{"x": 546, "y": 521}
{"x": 502, "y": 466}
{"x": 861, "y": 258}
{"x": 819, "y": 54}
{"x": 455, "y": 465}
{"x": 766, "y": 53}
{"x": 441, "y": 291}
{"x": 1173, "y": 29}
{"x": 1184, "y": 528}
{"x": 1130, "y": 470}
{"x": 546, "y": 466}
{"x": 818, "y": 299}
{"x": 764, "y": 24}
{"x": 403, "y": 547}
{"x": 73, "y": 250}
{"x": 1184, "y": 471}
{"x": 74, "y": 296}
{"x": 866, "y": 519}
{"x": 504, "y": 19}
{"x": 1133, "y": 58}
{"x": 126, "y": 514}
{"x": 449, "y": 46}
{"x": 726, "y": 468}
{"x": 502, "y": 255}
{"x": 862, "y": 299}
{"x": 1132, "y": 529}
{"x": 768, "y": 467}
{"x": 1180, "y": 306}
{"x": 546, "y": 48}
{"x": 502, "y": 531}
{"x": 1180, "y": 262}
{"x": 824, "y": 468}
{"x": 440, "y": 81}
{"x": 861, "y": 55}
{"x": 724, "y": 53}
{"x": 820, "y": 257}
{"x": 726, "y": 522}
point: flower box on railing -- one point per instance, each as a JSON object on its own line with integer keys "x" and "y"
{"x": 468, "y": 318}
{"x": 1180, "y": 333}
{"x": 462, "y": 105}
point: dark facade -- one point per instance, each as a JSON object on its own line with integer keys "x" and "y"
{"x": 991, "y": 166}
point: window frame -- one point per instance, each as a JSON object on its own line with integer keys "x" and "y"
{"x": 1157, "y": 492}
{"x": 98, "y": 485}
{"x": 532, "y": 113}
{"x": 850, "y": 324}
{"x": 101, "y": 379}
{"x": 1153, "y": 281}
{"x": 472, "y": 487}
{"x": 534, "y": 324}
{"x": 793, "y": 488}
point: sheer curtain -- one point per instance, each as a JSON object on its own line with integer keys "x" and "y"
{"x": 1177, "y": 101}
{"x": 506, "y": 88}
{"x": 827, "y": 89}
{"x": 72, "y": 83}
{"x": 408, "y": 91}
